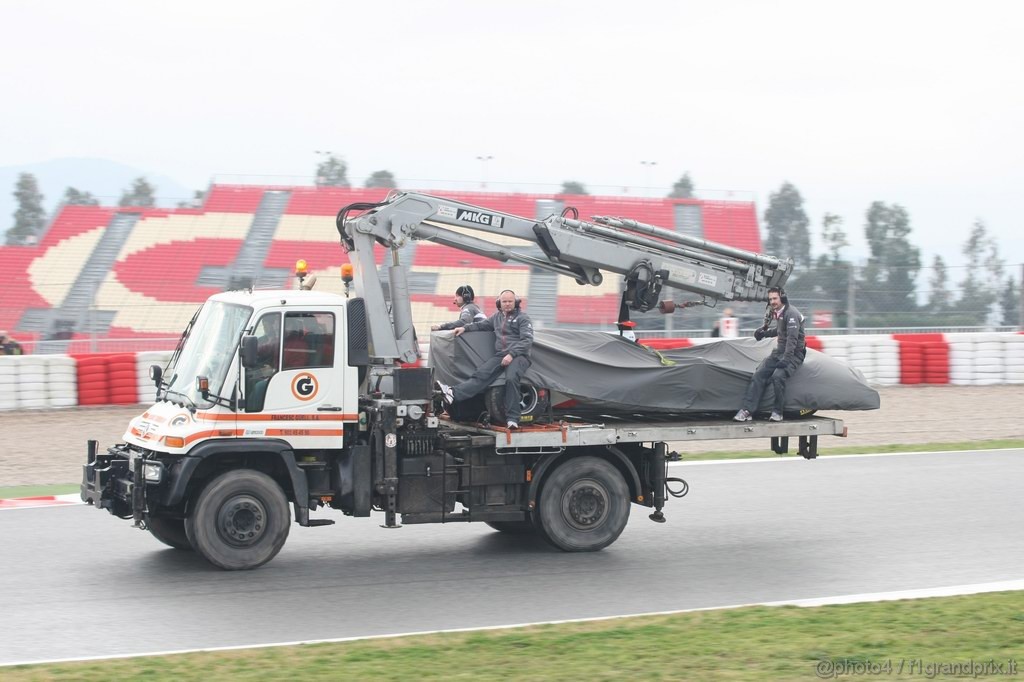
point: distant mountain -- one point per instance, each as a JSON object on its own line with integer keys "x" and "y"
{"x": 106, "y": 180}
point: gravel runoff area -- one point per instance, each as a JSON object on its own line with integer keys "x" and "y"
{"x": 46, "y": 447}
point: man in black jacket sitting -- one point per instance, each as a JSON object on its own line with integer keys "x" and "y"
{"x": 513, "y": 339}
{"x": 786, "y": 357}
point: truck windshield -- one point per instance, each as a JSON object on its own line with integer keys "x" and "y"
{"x": 208, "y": 351}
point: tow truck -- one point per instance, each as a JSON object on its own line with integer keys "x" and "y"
{"x": 300, "y": 398}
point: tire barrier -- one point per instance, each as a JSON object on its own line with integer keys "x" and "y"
{"x": 93, "y": 381}
{"x": 124, "y": 380}
{"x": 61, "y": 381}
{"x": 985, "y": 359}
{"x": 969, "y": 359}
{"x": 924, "y": 358}
{"x": 37, "y": 381}
{"x": 9, "y": 381}
{"x": 144, "y": 385}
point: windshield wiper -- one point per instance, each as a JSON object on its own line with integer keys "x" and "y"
{"x": 191, "y": 406}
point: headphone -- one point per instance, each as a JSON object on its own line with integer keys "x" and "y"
{"x": 782, "y": 294}
{"x": 497, "y": 301}
{"x": 466, "y": 292}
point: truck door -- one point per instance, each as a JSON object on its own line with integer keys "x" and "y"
{"x": 303, "y": 400}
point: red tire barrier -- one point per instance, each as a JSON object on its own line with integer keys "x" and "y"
{"x": 93, "y": 380}
{"x": 924, "y": 358}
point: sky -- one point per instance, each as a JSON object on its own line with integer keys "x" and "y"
{"x": 917, "y": 103}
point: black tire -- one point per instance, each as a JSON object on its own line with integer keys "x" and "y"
{"x": 171, "y": 532}
{"x": 240, "y": 520}
{"x": 584, "y": 505}
{"x": 494, "y": 401}
{"x": 513, "y": 527}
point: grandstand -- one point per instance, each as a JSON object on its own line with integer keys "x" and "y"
{"x": 134, "y": 275}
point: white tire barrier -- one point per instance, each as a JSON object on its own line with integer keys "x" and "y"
{"x": 974, "y": 359}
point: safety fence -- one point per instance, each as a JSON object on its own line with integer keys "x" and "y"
{"x": 978, "y": 359}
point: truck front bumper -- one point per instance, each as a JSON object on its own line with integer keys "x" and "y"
{"x": 115, "y": 481}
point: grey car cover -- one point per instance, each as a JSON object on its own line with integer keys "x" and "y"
{"x": 605, "y": 372}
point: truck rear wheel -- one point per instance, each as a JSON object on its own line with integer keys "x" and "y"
{"x": 584, "y": 505}
{"x": 171, "y": 532}
{"x": 240, "y": 520}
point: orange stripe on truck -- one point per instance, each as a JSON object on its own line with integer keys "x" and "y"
{"x": 219, "y": 417}
{"x": 215, "y": 433}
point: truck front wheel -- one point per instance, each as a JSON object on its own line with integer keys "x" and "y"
{"x": 584, "y": 505}
{"x": 240, "y": 520}
{"x": 171, "y": 532}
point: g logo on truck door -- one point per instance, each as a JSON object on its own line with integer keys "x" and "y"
{"x": 305, "y": 386}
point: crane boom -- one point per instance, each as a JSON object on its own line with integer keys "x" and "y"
{"x": 648, "y": 257}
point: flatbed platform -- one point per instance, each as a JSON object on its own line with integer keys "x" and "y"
{"x": 565, "y": 434}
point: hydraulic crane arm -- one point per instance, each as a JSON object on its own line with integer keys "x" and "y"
{"x": 648, "y": 257}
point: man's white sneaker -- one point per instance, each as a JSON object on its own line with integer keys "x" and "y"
{"x": 743, "y": 416}
{"x": 776, "y": 417}
{"x": 447, "y": 394}
{"x": 513, "y": 426}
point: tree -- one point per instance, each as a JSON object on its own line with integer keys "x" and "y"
{"x": 29, "y": 217}
{"x": 195, "y": 202}
{"x": 74, "y": 197}
{"x": 939, "y": 297}
{"x": 787, "y": 225}
{"x": 888, "y": 284}
{"x": 683, "y": 189}
{"x": 984, "y": 277}
{"x": 381, "y": 178}
{"x": 1009, "y": 301}
{"x": 833, "y": 238}
{"x": 573, "y": 187}
{"x": 826, "y": 282}
{"x": 140, "y": 194}
{"x": 332, "y": 172}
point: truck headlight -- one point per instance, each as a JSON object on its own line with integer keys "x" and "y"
{"x": 153, "y": 472}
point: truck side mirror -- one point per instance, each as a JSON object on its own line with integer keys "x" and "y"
{"x": 156, "y": 373}
{"x": 203, "y": 386}
{"x": 250, "y": 347}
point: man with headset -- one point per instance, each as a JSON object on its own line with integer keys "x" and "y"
{"x": 786, "y": 357}
{"x": 513, "y": 339}
{"x": 468, "y": 310}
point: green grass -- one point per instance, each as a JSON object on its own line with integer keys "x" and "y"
{"x": 36, "y": 490}
{"x": 753, "y": 643}
{"x": 63, "y": 489}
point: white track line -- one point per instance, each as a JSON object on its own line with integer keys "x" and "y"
{"x": 949, "y": 591}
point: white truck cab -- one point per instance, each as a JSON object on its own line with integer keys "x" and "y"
{"x": 298, "y": 386}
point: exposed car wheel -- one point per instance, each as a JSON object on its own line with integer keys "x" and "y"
{"x": 240, "y": 521}
{"x": 513, "y": 527}
{"x": 494, "y": 400}
{"x": 171, "y": 532}
{"x": 584, "y": 505}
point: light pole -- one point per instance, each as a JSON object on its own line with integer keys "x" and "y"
{"x": 648, "y": 167}
{"x": 483, "y": 169}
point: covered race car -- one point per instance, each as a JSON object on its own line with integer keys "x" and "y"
{"x": 596, "y": 373}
